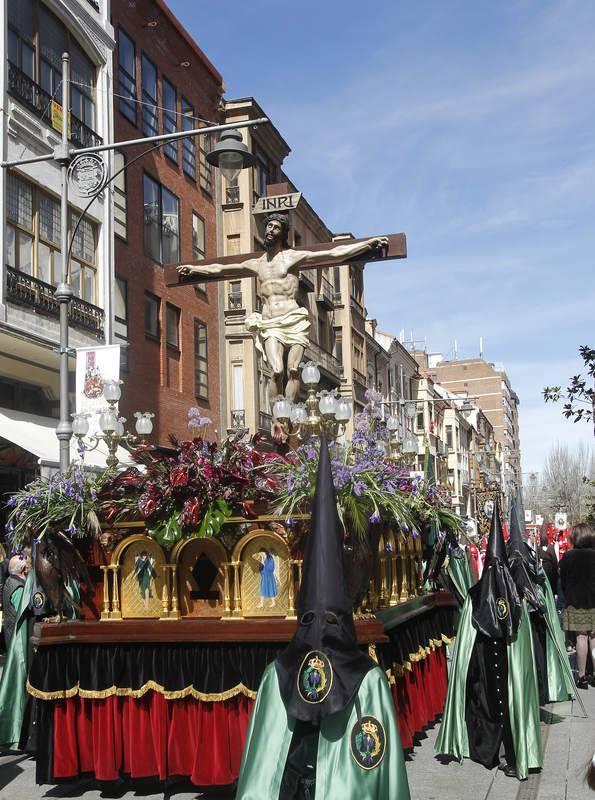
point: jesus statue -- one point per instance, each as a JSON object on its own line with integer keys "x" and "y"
{"x": 281, "y": 330}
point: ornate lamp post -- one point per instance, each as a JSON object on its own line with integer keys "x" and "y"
{"x": 323, "y": 412}
{"x": 111, "y": 426}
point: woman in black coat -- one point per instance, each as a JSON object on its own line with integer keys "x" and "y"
{"x": 577, "y": 576}
{"x": 549, "y": 562}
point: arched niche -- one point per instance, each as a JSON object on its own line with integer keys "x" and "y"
{"x": 263, "y": 576}
{"x": 140, "y": 586}
{"x": 200, "y": 577}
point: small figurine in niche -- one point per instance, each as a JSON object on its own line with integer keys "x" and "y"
{"x": 269, "y": 576}
{"x": 145, "y": 574}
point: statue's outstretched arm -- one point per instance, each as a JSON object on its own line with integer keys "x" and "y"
{"x": 250, "y": 265}
{"x": 340, "y": 253}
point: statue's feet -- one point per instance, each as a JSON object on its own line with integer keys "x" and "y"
{"x": 277, "y": 433}
{"x": 53, "y": 619}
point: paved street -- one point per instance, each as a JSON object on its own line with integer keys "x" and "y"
{"x": 569, "y": 742}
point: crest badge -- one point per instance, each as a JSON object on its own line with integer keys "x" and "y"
{"x": 315, "y": 677}
{"x": 501, "y": 608}
{"x": 87, "y": 174}
{"x": 368, "y": 742}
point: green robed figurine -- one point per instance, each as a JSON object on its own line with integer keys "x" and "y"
{"x": 323, "y": 725}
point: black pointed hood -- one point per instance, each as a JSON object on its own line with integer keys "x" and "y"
{"x": 525, "y": 568}
{"x": 495, "y": 599}
{"x": 322, "y": 667}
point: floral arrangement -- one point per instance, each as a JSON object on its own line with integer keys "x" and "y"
{"x": 191, "y": 488}
{"x": 370, "y": 489}
{"x": 67, "y": 501}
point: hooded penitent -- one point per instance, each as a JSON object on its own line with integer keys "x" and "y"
{"x": 323, "y": 725}
{"x": 495, "y": 600}
{"x": 492, "y": 701}
{"x": 322, "y": 668}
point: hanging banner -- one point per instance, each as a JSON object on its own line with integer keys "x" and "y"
{"x": 94, "y": 366}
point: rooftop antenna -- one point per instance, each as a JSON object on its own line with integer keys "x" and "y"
{"x": 481, "y": 346}
{"x": 456, "y": 351}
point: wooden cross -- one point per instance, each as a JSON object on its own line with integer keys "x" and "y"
{"x": 397, "y": 248}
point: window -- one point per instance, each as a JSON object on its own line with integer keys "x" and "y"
{"x": 152, "y": 311}
{"x": 20, "y": 235}
{"x": 120, "y": 202}
{"x": 188, "y": 145}
{"x": 21, "y": 47}
{"x": 198, "y": 236}
{"x": 161, "y": 218}
{"x": 149, "y": 96}
{"x": 449, "y": 440}
{"x": 121, "y": 307}
{"x": 52, "y": 43}
{"x": 262, "y": 173}
{"x": 234, "y": 299}
{"x": 82, "y": 263}
{"x": 338, "y": 345}
{"x": 172, "y": 326}
{"x": 33, "y": 238}
{"x": 232, "y": 191}
{"x": 201, "y": 361}
{"x": 206, "y": 171}
{"x": 420, "y": 420}
{"x": 127, "y": 76}
{"x": 82, "y": 87}
{"x": 170, "y": 113}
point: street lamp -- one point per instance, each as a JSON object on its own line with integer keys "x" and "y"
{"x": 230, "y": 155}
{"x": 323, "y": 412}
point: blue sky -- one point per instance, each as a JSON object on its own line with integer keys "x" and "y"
{"x": 470, "y": 126}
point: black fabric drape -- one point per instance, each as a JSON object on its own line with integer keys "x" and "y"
{"x": 407, "y": 638}
{"x": 209, "y": 669}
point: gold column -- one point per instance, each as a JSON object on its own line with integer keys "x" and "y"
{"x": 174, "y": 612}
{"x": 394, "y": 588}
{"x": 237, "y": 605}
{"x": 383, "y": 593}
{"x": 226, "y": 595}
{"x": 165, "y": 593}
{"x": 291, "y": 598}
{"x": 411, "y": 565}
{"x": 404, "y": 593}
{"x": 420, "y": 565}
{"x": 105, "y": 613}
{"x": 116, "y": 613}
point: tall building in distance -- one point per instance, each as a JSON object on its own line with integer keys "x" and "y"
{"x": 489, "y": 387}
{"x": 36, "y": 34}
{"x": 164, "y": 212}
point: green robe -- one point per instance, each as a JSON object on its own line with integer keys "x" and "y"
{"x": 338, "y": 776}
{"x": 523, "y": 696}
{"x": 559, "y": 677}
{"x": 459, "y": 572}
{"x": 14, "y": 675}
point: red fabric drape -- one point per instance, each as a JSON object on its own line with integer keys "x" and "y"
{"x": 150, "y": 736}
{"x": 154, "y": 737}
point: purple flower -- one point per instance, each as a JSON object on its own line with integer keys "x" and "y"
{"x": 9, "y": 527}
{"x": 72, "y": 530}
{"x": 375, "y": 518}
{"x": 359, "y": 488}
{"x": 12, "y": 501}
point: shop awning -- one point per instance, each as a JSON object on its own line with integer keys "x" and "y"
{"x": 37, "y": 435}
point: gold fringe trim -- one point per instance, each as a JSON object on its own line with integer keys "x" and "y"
{"x": 398, "y": 670}
{"x": 149, "y": 686}
{"x": 372, "y": 652}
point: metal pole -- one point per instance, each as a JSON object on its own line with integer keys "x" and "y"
{"x": 165, "y": 137}
{"x": 63, "y": 293}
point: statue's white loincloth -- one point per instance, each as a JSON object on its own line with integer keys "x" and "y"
{"x": 288, "y": 329}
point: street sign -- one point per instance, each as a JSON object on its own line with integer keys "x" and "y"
{"x": 87, "y": 174}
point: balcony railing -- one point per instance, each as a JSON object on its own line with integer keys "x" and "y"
{"x": 238, "y": 418}
{"x": 307, "y": 279}
{"x": 324, "y": 359}
{"x": 24, "y": 290}
{"x": 39, "y": 102}
{"x": 325, "y": 293}
{"x": 235, "y": 301}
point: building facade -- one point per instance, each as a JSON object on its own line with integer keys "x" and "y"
{"x": 164, "y": 212}
{"x": 36, "y": 33}
{"x": 489, "y": 387}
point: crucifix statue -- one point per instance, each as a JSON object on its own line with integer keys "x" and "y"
{"x": 281, "y": 330}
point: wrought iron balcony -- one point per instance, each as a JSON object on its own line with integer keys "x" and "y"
{"x": 39, "y": 102}
{"x": 324, "y": 359}
{"x": 24, "y": 290}
{"x": 325, "y": 293}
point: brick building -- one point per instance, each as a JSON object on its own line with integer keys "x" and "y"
{"x": 165, "y": 212}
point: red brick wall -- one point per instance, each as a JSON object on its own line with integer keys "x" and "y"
{"x": 151, "y": 363}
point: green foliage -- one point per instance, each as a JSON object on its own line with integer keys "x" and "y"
{"x": 580, "y": 398}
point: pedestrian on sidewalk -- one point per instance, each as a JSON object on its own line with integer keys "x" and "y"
{"x": 577, "y": 578}
{"x": 549, "y": 561}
